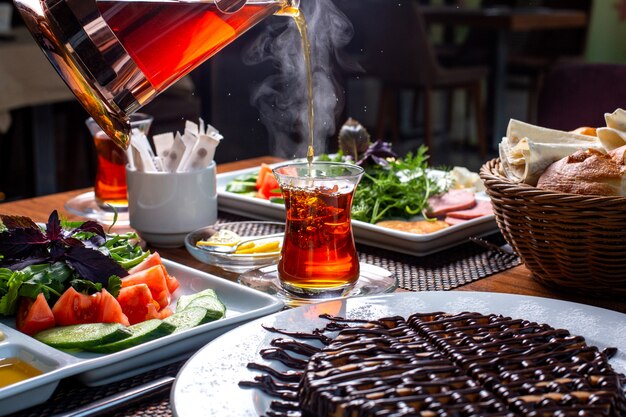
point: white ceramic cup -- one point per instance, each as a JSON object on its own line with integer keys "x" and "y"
{"x": 163, "y": 207}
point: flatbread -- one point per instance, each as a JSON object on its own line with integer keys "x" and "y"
{"x": 527, "y": 150}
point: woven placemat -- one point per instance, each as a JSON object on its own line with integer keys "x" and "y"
{"x": 441, "y": 271}
{"x": 71, "y": 394}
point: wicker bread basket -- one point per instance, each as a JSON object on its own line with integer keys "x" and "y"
{"x": 571, "y": 242}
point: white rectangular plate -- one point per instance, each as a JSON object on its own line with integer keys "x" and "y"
{"x": 242, "y": 304}
{"x": 365, "y": 233}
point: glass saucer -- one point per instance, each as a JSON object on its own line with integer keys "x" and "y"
{"x": 85, "y": 205}
{"x": 372, "y": 280}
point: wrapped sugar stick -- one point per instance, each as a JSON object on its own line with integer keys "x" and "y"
{"x": 190, "y": 139}
{"x": 175, "y": 155}
{"x": 142, "y": 158}
{"x": 202, "y": 154}
{"x": 163, "y": 143}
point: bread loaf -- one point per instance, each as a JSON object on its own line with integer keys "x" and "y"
{"x": 587, "y": 172}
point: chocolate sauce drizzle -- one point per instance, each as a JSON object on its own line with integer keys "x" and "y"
{"x": 437, "y": 364}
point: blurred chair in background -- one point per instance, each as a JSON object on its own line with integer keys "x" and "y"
{"x": 531, "y": 52}
{"x": 535, "y": 53}
{"x": 577, "y": 95}
{"x": 397, "y": 51}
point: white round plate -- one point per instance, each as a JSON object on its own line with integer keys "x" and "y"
{"x": 208, "y": 384}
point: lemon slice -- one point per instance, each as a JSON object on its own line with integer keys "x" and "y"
{"x": 223, "y": 237}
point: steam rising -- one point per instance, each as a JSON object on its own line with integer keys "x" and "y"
{"x": 282, "y": 98}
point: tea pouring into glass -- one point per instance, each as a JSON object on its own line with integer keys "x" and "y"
{"x": 118, "y": 55}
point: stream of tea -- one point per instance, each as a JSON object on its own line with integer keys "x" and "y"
{"x": 306, "y": 53}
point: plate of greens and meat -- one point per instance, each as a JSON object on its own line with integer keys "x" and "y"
{"x": 400, "y": 204}
{"x": 78, "y": 301}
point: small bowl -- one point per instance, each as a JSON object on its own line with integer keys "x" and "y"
{"x": 231, "y": 261}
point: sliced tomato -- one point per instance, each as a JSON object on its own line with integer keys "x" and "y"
{"x": 153, "y": 260}
{"x": 110, "y": 310}
{"x": 263, "y": 171}
{"x": 165, "y": 313}
{"x": 172, "y": 283}
{"x": 154, "y": 278}
{"x": 269, "y": 188}
{"x": 34, "y": 316}
{"x": 137, "y": 303}
{"x": 76, "y": 308}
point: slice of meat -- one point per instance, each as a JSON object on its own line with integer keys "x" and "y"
{"x": 482, "y": 208}
{"x": 453, "y": 220}
{"x": 453, "y": 200}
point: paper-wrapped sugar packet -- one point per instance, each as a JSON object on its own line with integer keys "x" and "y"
{"x": 163, "y": 143}
{"x": 193, "y": 150}
{"x": 527, "y": 150}
{"x": 202, "y": 154}
{"x": 140, "y": 155}
{"x": 175, "y": 154}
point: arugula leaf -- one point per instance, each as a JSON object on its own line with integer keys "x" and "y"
{"x": 402, "y": 189}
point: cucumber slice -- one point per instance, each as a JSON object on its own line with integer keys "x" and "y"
{"x": 141, "y": 333}
{"x": 82, "y": 336}
{"x": 214, "y": 308}
{"x": 187, "y": 318}
{"x": 241, "y": 187}
{"x": 184, "y": 300}
{"x": 277, "y": 200}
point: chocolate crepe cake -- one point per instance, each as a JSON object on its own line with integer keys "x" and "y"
{"x": 438, "y": 364}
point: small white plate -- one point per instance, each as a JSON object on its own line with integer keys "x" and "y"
{"x": 373, "y": 280}
{"x": 208, "y": 383}
{"x": 242, "y": 305}
{"x": 85, "y": 205}
{"x": 365, "y": 233}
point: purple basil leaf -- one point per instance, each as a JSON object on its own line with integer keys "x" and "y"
{"x": 377, "y": 153}
{"x": 53, "y": 227}
{"x": 19, "y": 243}
{"x": 17, "y": 222}
{"x": 91, "y": 227}
{"x": 93, "y": 265}
{"x": 57, "y": 250}
{"x": 380, "y": 161}
{"x": 70, "y": 241}
{"x": 21, "y": 264}
{"x": 94, "y": 242}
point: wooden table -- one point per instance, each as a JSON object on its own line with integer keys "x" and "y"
{"x": 504, "y": 21}
{"x": 515, "y": 281}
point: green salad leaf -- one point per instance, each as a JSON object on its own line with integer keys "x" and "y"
{"x": 63, "y": 254}
{"x": 400, "y": 190}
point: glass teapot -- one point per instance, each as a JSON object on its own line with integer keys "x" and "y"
{"x": 118, "y": 55}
